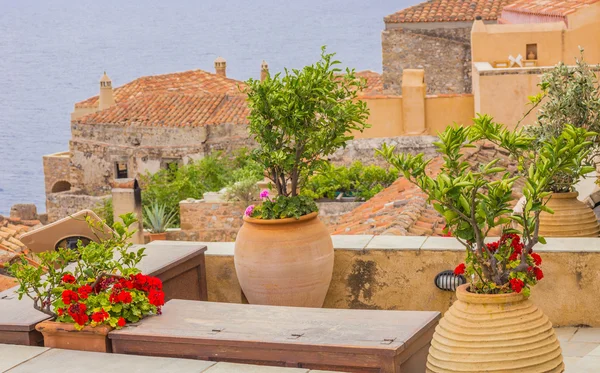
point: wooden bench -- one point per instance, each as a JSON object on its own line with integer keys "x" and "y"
{"x": 310, "y": 338}
{"x": 181, "y": 268}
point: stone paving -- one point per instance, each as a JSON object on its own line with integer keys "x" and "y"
{"x": 581, "y": 349}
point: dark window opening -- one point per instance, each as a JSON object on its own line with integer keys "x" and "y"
{"x": 121, "y": 170}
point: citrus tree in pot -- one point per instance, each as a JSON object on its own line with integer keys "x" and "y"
{"x": 569, "y": 94}
{"x": 283, "y": 252}
{"x": 89, "y": 291}
{"x": 493, "y": 326}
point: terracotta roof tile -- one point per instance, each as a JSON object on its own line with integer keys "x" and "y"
{"x": 187, "y": 82}
{"x": 10, "y": 245}
{"x": 173, "y": 110}
{"x": 449, "y": 11}
{"x": 402, "y": 208}
{"x": 374, "y": 83}
{"x": 559, "y": 8}
{"x": 7, "y": 282}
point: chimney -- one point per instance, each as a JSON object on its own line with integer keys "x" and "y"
{"x": 220, "y": 66}
{"x": 107, "y": 98}
{"x": 264, "y": 71}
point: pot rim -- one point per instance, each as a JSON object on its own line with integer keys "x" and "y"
{"x": 303, "y": 218}
{"x": 564, "y": 195}
{"x": 463, "y": 294}
{"x": 51, "y": 326}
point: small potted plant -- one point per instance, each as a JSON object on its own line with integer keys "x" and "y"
{"x": 89, "y": 291}
{"x": 283, "y": 252}
{"x": 493, "y": 326}
{"x": 569, "y": 94}
{"x": 157, "y": 219}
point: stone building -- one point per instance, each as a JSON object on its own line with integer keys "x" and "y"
{"x": 435, "y": 36}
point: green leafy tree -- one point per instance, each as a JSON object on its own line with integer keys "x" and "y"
{"x": 302, "y": 116}
{"x": 472, "y": 205}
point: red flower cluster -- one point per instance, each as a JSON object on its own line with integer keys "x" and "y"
{"x": 121, "y": 322}
{"x": 100, "y": 316}
{"x": 537, "y": 272}
{"x": 77, "y": 312}
{"x": 460, "y": 269}
{"x": 537, "y": 259}
{"x": 69, "y": 296}
{"x": 84, "y": 291}
{"x": 68, "y": 279}
{"x": 516, "y": 284}
{"x": 156, "y": 297}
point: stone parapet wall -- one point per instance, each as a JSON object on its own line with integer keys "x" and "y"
{"x": 444, "y": 54}
{"x": 206, "y": 221}
{"x": 397, "y": 273}
{"x": 61, "y": 205}
{"x": 56, "y": 169}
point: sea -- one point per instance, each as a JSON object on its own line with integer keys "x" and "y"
{"x": 53, "y": 53}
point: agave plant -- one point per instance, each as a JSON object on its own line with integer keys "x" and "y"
{"x": 157, "y": 218}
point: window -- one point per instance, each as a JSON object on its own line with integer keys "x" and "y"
{"x": 531, "y": 52}
{"x": 121, "y": 170}
{"x": 170, "y": 163}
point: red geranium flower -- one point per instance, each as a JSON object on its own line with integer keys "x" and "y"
{"x": 125, "y": 297}
{"x": 155, "y": 283}
{"x": 493, "y": 246}
{"x": 156, "y": 297}
{"x": 100, "y": 316}
{"x": 60, "y": 311}
{"x": 69, "y": 296}
{"x": 538, "y": 273}
{"x": 68, "y": 279}
{"x": 121, "y": 322}
{"x": 516, "y": 284}
{"x": 460, "y": 269}
{"x": 77, "y": 312}
{"x": 113, "y": 298}
{"x": 537, "y": 259}
{"x": 84, "y": 291}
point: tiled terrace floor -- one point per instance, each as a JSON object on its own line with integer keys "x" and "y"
{"x": 581, "y": 349}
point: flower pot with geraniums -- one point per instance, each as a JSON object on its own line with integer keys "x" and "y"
{"x": 157, "y": 219}
{"x": 283, "y": 252}
{"x": 493, "y": 327}
{"x": 90, "y": 290}
{"x": 569, "y": 94}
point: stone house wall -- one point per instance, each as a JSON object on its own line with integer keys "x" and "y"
{"x": 208, "y": 222}
{"x": 443, "y": 52}
{"x": 56, "y": 170}
{"x": 61, "y": 205}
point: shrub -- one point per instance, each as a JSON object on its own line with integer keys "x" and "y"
{"x": 105, "y": 211}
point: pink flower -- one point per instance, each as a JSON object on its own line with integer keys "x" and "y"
{"x": 249, "y": 210}
{"x": 264, "y": 194}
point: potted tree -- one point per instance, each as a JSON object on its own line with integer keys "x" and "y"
{"x": 157, "y": 219}
{"x": 569, "y": 94}
{"x": 493, "y": 326}
{"x": 89, "y": 291}
{"x": 283, "y": 252}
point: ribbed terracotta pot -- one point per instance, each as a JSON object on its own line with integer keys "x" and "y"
{"x": 494, "y": 333}
{"x": 284, "y": 262}
{"x": 158, "y": 236}
{"x": 571, "y": 218}
{"x": 65, "y": 336}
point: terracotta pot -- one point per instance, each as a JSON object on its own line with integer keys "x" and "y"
{"x": 494, "y": 333}
{"x": 284, "y": 262}
{"x": 571, "y": 218}
{"x": 64, "y": 335}
{"x": 158, "y": 236}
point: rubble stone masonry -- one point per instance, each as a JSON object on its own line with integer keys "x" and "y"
{"x": 444, "y": 53}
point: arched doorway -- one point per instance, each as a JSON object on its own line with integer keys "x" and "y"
{"x": 61, "y": 186}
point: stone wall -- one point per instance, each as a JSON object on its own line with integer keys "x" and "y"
{"x": 397, "y": 273}
{"x": 61, "y": 205}
{"x": 364, "y": 149}
{"x": 205, "y": 221}
{"x": 56, "y": 170}
{"x": 444, "y": 54}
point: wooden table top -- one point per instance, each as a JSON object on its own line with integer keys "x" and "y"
{"x": 373, "y": 331}
{"x": 19, "y": 315}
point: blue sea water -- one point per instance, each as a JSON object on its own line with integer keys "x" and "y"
{"x": 53, "y": 52}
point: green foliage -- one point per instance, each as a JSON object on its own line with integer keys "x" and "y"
{"x": 105, "y": 211}
{"x": 157, "y": 218}
{"x": 472, "y": 205}
{"x": 243, "y": 191}
{"x": 43, "y": 283}
{"x": 301, "y": 117}
{"x": 570, "y": 95}
{"x": 282, "y": 207}
{"x": 357, "y": 180}
{"x": 209, "y": 174}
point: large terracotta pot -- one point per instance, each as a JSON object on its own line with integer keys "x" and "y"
{"x": 494, "y": 333}
{"x": 158, "y": 236}
{"x": 284, "y": 262}
{"x": 571, "y": 218}
{"x": 64, "y": 335}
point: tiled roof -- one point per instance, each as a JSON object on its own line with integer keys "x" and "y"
{"x": 10, "y": 245}
{"x": 173, "y": 110}
{"x": 449, "y": 11}
{"x": 548, "y": 7}
{"x": 402, "y": 208}
{"x": 374, "y": 83}
{"x": 187, "y": 82}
